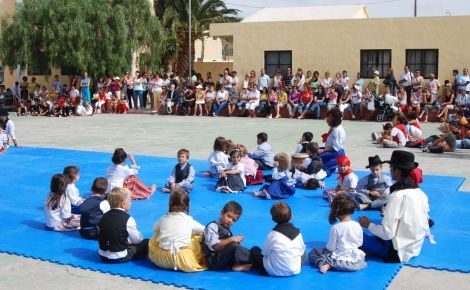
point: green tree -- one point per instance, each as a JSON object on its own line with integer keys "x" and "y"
{"x": 98, "y": 36}
{"x": 173, "y": 15}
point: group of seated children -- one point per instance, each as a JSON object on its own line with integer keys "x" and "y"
{"x": 406, "y": 132}
{"x": 235, "y": 168}
{"x": 370, "y": 192}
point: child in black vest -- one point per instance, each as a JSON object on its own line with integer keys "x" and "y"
{"x": 221, "y": 248}
{"x": 93, "y": 208}
{"x": 182, "y": 175}
{"x": 120, "y": 241}
{"x": 301, "y": 147}
{"x": 373, "y": 190}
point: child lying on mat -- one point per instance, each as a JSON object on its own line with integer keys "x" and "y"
{"x": 221, "y": 248}
{"x": 119, "y": 240}
{"x": 177, "y": 241}
{"x": 57, "y": 210}
{"x": 120, "y": 175}
{"x": 284, "y": 250}
{"x": 182, "y": 175}
{"x": 346, "y": 182}
{"x": 342, "y": 251}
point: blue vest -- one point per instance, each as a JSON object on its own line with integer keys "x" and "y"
{"x": 381, "y": 185}
{"x": 90, "y": 212}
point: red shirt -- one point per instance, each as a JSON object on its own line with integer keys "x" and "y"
{"x": 306, "y": 96}
{"x": 402, "y": 128}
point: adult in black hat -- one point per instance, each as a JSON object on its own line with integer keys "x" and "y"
{"x": 401, "y": 234}
{"x": 8, "y": 125}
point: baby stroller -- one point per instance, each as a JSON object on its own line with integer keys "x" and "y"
{"x": 383, "y": 110}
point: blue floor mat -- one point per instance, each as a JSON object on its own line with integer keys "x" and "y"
{"x": 26, "y": 183}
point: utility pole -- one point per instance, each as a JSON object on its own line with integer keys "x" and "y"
{"x": 416, "y": 8}
{"x": 190, "y": 44}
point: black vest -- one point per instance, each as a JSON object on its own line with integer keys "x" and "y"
{"x": 288, "y": 230}
{"x": 113, "y": 231}
{"x": 223, "y": 232}
{"x": 316, "y": 164}
{"x": 181, "y": 174}
{"x": 90, "y": 212}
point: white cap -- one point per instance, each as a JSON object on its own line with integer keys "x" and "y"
{"x": 198, "y": 87}
{"x": 376, "y": 72}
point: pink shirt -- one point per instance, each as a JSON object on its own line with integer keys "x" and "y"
{"x": 250, "y": 165}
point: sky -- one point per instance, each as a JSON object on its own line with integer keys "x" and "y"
{"x": 376, "y": 8}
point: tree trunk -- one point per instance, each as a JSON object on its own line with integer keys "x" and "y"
{"x": 183, "y": 57}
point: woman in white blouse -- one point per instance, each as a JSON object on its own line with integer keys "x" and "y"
{"x": 177, "y": 241}
{"x": 401, "y": 234}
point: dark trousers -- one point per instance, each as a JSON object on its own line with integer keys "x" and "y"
{"x": 144, "y": 101}
{"x": 129, "y": 95}
{"x": 257, "y": 260}
{"x": 232, "y": 254}
{"x": 90, "y": 234}
{"x": 262, "y": 166}
{"x": 375, "y": 246}
{"x": 409, "y": 91}
{"x": 136, "y": 251}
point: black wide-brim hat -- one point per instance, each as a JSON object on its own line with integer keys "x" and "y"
{"x": 402, "y": 159}
{"x": 374, "y": 161}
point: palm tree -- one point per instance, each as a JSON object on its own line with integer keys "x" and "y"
{"x": 174, "y": 16}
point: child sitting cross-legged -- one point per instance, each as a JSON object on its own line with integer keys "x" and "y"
{"x": 72, "y": 174}
{"x": 57, "y": 209}
{"x": 282, "y": 185}
{"x": 182, "y": 175}
{"x": 342, "y": 251}
{"x": 264, "y": 153}
{"x": 301, "y": 146}
{"x": 221, "y": 248}
{"x": 218, "y": 160}
{"x": 120, "y": 175}
{"x": 253, "y": 175}
{"x": 233, "y": 178}
{"x": 372, "y": 191}
{"x": 93, "y": 208}
{"x": 119, "y": 240}
{"x": 346, "y": 182}
{"x": 177, "y": 241}
{"x": 284, "y": 250}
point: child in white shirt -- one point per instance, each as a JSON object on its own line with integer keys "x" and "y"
{"x": 72, "y": 174}
{"x": 4, "y": 142}
{"x": 120, "y": 175}
{"x": 218, "y": 160}
{"x": 342, "y": 251}
{"x": 346, "y": 182}
{"x": 177, "y": 242}
{"x": 57, "y": 210}
{"x": 233, "y": 178}
{"x": 284, "y": 250}
{"x": 282, "y": 185}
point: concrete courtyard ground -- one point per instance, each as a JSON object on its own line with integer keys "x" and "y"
{"x": 163, "y": 136}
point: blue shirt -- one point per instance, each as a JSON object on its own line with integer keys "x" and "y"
{"x": 264, "y": 153}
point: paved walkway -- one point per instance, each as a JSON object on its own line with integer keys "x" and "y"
{"x": 163, "y": 136}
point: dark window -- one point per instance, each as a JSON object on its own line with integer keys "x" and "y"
{"x": 274, "y": 60}
{"x": 39, "y": 65}
{"x": 426, "y": 60}
{"x": 375, "y": 59}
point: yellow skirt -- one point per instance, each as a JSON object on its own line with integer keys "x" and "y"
{"x": 187, "y": 260}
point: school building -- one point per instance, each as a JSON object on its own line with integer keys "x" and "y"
{"x": 333, "y": 38}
